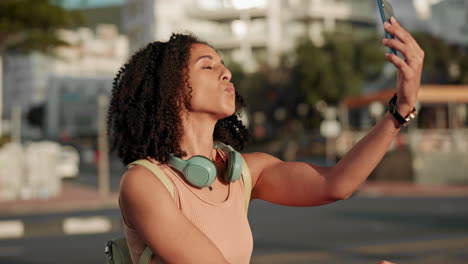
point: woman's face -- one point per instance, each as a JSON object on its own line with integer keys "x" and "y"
{"x": 212, "y": 91}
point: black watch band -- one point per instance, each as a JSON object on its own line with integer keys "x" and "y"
{"x": 393, "y": 109}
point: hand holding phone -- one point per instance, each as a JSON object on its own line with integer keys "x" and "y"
{"x": 386, "y": 12}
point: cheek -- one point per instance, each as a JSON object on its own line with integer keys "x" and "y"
{"x": 201, "y": 89}
{"x": 201, "y": 97}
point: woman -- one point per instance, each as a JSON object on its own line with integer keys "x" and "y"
{"x": 173, "y": 101}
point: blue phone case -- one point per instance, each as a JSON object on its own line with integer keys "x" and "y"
{"x": 386, "y": 11}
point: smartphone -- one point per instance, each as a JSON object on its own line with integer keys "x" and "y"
{"x": 386, "y": 12}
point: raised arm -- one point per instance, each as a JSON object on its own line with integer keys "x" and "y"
{"x": 301, "y": 184}
{"x": 149, "y": 208}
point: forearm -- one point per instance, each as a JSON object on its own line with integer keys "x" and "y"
{"x": 354, "y": 168}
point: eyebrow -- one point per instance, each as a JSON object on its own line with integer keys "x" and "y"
{"x": 207, "y": 57}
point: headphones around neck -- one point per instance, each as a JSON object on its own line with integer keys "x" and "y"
{"x": 201, "y": 171}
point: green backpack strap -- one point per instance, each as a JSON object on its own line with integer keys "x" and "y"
{"x": 247, "y": 183}
{"x": 157, "y": 172}
{"x": 145, "y": 257}
{"x": 117, "y": 251}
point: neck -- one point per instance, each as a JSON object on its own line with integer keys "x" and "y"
{"x": 197, "y": 138}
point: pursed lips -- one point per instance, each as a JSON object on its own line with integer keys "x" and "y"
{"x": 230, "y": 88}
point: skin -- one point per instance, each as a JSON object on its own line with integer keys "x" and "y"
{"x": 276, "y": 181}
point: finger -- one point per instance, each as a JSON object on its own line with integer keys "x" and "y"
{"x": 407, "y": 51}
{"x": 398, "y": 32}
{"x": 400, "y": 64}
{"x": 394, "y": 28}
{"x": 393, "y": 21}
{"x": 385, "y": 262}
{"x": 396, "y": 44}
{"x": 400, "y": 28}
{"x": 417, "y": 54}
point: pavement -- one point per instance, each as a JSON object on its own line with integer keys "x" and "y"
{"x": 73, "y": 197}
{"x": 63, "y": 214}
{"x": 451, "y": 250}
{"x": 79, "y": 209}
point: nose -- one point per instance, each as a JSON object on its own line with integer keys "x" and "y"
{"x": 226, "y": 75}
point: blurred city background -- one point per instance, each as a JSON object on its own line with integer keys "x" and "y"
{"x": 315, "y": 80}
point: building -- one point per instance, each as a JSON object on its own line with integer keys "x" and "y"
{"x": 71, "y": 112}
{"x": 247, "y": 32}
{"x": 24, "y": 80}
{"x": 97, "y": 49}
{"x": 450, "y": 21}
{"x": 83, "y": 71}
{"x": 447, "y": 19}
{"x": 91, "y": 54}
{"x": 431, "y": 150}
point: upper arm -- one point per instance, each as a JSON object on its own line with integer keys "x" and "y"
{"x": 149, "y": 208}
{"x": 288, "y": 183}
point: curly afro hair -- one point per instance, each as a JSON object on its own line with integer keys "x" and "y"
{"x": 143, "y": 119}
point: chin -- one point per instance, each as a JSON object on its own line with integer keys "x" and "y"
{"x": 233, "y": 111}
{"x": 227, "y": 113}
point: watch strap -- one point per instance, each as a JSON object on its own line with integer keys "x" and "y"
{"x": 393, "y": 109}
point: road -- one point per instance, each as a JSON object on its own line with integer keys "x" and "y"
{"x": 358, "y": 230}
{"x": 363, "y": 230}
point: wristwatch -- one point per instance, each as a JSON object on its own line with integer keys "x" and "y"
{"x": 393, "y": 109}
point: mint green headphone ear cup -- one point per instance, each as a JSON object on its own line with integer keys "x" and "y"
{"x": 234, "y": 166}
{"x": 200, "y": 171}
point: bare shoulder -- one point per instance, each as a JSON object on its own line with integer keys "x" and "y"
{"x": 257, "y": 162}
{"x": 138, "y": 178}
{"x": 259, "y": 157}
{"x": 139, "y": 186}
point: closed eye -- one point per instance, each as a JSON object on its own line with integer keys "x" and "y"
{"x": 207, "y": 67}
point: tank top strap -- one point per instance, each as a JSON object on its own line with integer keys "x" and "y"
{"x": 157, "y": 172}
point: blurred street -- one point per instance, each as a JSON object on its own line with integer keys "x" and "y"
{"x": 390, "y": 223}
{"x": 314, "y": 80}
{"x": 363, "y": 230}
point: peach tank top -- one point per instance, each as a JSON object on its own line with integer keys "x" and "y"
{"x": 225, "y": 223}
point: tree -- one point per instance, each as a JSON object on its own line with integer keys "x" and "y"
{"x": 338, "y": 68}
{"x": 27, "y": 25}
{"x": 443, "y": 62}
{"x": 311, "y": 73}
{"x": 30, "y": 25}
